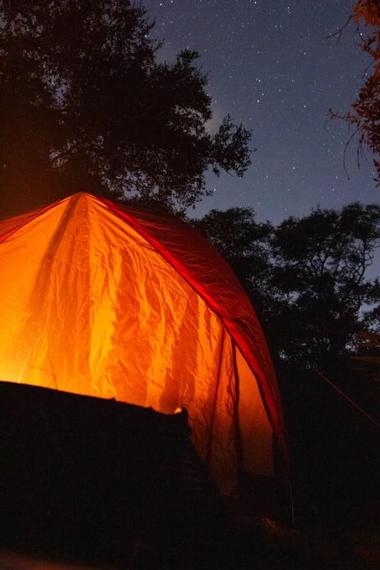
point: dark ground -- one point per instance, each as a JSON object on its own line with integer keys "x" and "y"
{"x": 106, "y": 485}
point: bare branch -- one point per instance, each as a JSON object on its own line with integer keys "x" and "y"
{"x": 339, "y": 32}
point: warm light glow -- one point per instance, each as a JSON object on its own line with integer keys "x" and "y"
{"x": 88, "y": 306}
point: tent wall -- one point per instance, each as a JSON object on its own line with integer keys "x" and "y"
{"x": 256, "y": 434}
{"x": 89, "y": 306}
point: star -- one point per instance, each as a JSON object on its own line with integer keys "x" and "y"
{"x": 271, "y": 67}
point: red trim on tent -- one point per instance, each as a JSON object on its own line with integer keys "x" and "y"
{"x": 184, "y": 248}
{"x": 144, "y": 226}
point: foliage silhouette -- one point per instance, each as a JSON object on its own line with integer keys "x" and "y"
{"x": 308, "y": 276}
{"x": 364, "y": 116}
{"x": 85, "y": 105}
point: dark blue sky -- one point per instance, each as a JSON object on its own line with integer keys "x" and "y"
{"x": 271, "y": 66}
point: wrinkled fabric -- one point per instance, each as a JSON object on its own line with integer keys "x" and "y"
{"x": 115, "y": 303}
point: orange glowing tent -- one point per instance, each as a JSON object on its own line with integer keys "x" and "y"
{"x": 112, "y": 302}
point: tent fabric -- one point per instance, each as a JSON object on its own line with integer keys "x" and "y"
{"x": 107, "y": 301}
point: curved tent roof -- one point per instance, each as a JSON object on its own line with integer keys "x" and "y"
{"x": 114, "y": 302}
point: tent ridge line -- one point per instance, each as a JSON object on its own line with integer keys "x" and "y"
{"x": 184, "y": 273}
{"x": 270, "y": 396}
{"x": 171, "y": 259}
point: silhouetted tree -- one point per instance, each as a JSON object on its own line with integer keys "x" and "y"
{"x": 308, "y": 276}
{"x": 84, "y": 105}
{"x": 320, "y": 269}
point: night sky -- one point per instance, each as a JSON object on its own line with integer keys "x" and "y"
{"x": 271, "y": 66}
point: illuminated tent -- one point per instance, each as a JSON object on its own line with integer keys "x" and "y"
{"x": 112, "y": 302}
